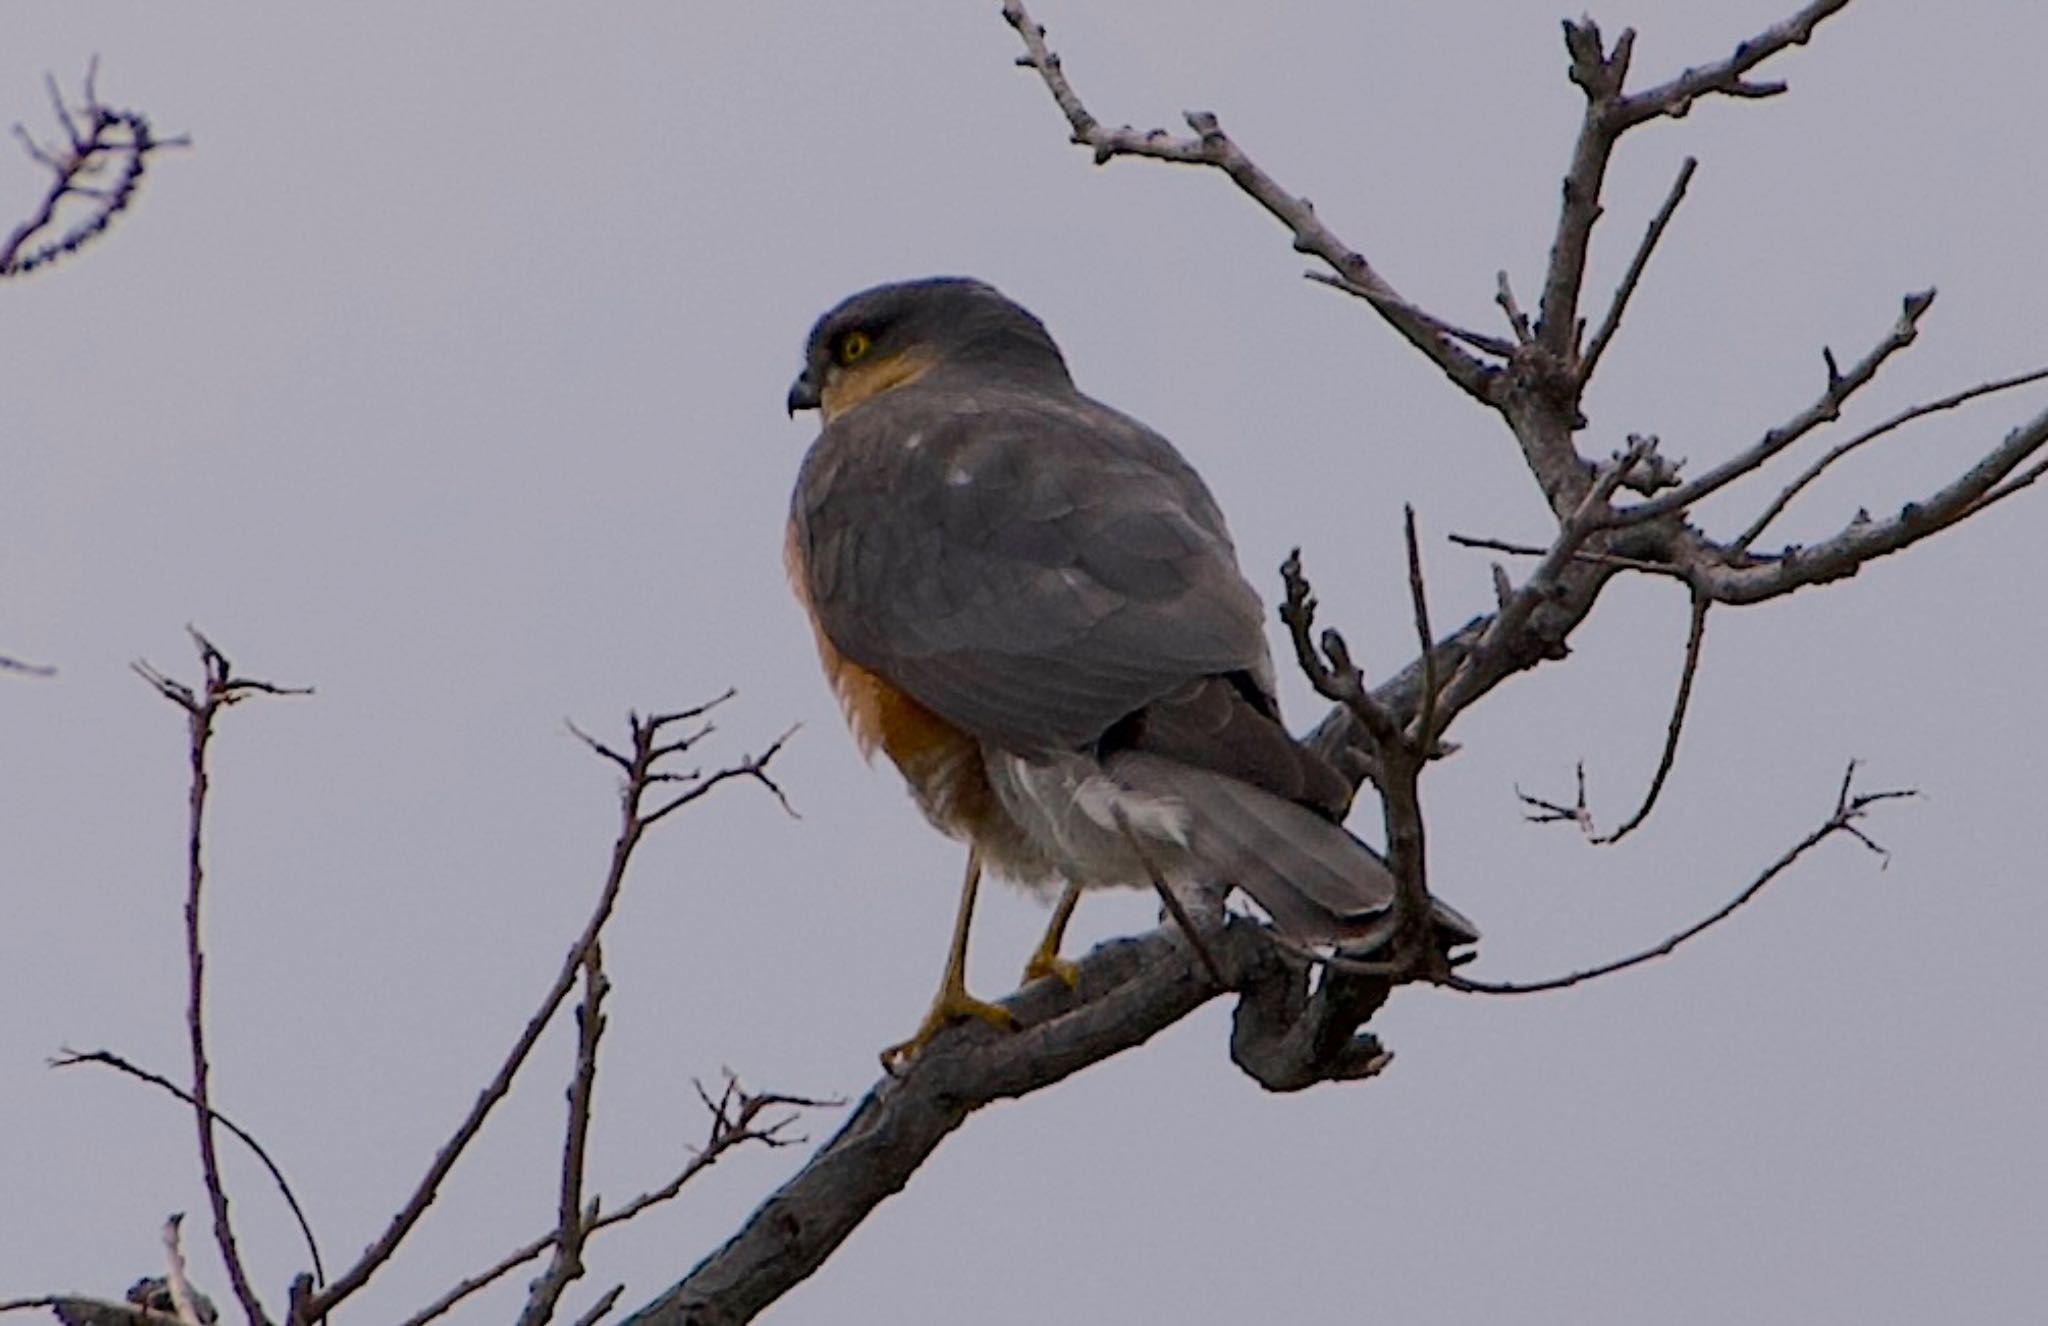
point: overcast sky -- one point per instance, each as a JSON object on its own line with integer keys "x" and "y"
{"x": 445, "y": 373}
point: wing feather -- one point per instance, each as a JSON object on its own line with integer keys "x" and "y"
{"x": 1030, "y": 568}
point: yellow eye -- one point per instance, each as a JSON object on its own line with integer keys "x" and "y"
{"x": 854, "y": 346}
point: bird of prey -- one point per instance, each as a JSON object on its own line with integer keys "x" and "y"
{"x": 1031, "y": 604}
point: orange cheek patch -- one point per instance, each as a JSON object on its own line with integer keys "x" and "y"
{"x": 847, "y": 387}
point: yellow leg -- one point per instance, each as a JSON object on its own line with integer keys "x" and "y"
{"x": 953, "y": 1002}
{"x": 1046, "y": 959}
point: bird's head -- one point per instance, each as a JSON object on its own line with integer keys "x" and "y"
{"x": 892, "y": 335}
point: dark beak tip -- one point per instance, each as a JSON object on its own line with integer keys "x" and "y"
{"x": 802, "y": 396}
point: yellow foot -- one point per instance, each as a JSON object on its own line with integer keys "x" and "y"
{"x": 1044, "y": 964}
{"x": 950, "y": 1007}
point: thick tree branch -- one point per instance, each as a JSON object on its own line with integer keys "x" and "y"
{"x": 1129, "y": 990}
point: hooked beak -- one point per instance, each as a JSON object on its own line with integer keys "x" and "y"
{"x": 803, "y": 393}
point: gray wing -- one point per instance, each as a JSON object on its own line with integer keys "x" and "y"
{"x": 1030, "y": 570}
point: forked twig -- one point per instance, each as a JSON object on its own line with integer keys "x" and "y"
{"x": 97, "y": 138}
{"x": 1550, "y": 812}
{"x": 1848, "y": 810}
{"x": 651, "y": 743}
{"x": 735, "y": 1120}
{"x": 1814, "y": 471}
{"x": 1210, "y": 146}
{"x": 219, "y": 688}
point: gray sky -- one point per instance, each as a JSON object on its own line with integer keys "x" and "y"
{"x": 446, "y": 374}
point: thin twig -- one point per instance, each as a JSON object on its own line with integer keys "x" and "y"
{"x": 1612, "y": 322}
{"x": 1840, "y": 387}
{"x": 1335, "y": 679}
{"x": 649, "y": 743}
{"x": 219, "y": 688}
{"x": 107, "y": 1058}
{"x": 1425, "y": 714}
{"x": 573, "y": 1222}
{"x": 1211, "y": 147}
{"x": 1814, "y": 471}
{"x": 1695, "y": 635}
{"x": 1578, "y": 555}
{"x": 1848, "y": 810}
{"x": 734, "y": 1122}
{"x": 596, "y": 1311}
{"x": 99, "y": 137}
{"x": 1385, "y": 301}
{"x": 1518, "y": 321}
{"x": 29, "y": 669}
{"x": 1550, "y": 812}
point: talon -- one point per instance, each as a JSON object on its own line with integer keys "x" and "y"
{"x": 951, "y": 1006}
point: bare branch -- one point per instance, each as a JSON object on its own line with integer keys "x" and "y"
{"x": 1848, "y": 810}
{"x": 596, "y": 1311}
{"x": 1518, "y": 321}
{"x": 649, "y": 740}
{"x": 1903, "y": 417}
{"x": 1614, "y": 560}
{"x": 1548, "y": 812}
{"x": 1864, "y": 540}
{"x": 1828, "y": 408}
{"x": 1128, "y": 990}
{"x": 735, "y": 1121}
{"x": 573, "y": 1222}
{"x": 29, "y": 669}
{"x": 218, "y": 689}
{"x": 77, "y": 1310}
{"x": 100, "y": 142}
{"x": 1337, "y": 679}
{"x": 1424, "y": 736}
{"x": 1726, "y": 77}
{"x": 107, "y": 1058}
{"x": 1212, "y": 147}
{"x": 1612, "y": 322}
